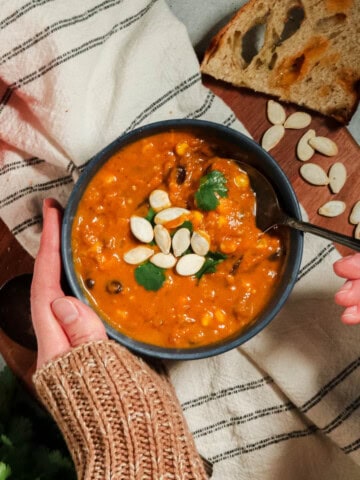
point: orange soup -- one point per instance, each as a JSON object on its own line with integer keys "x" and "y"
{"x": 166, "y": 247}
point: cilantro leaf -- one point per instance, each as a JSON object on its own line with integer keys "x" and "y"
{"x": 187, "y": 224}
{"x": 211, "y": 260}
{"x": 150, "y": 276}
{"x": 150, "y": 215}
{"x": 211, "y": 186}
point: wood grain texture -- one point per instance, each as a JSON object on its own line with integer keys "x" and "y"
{"x": 250, "y": 108}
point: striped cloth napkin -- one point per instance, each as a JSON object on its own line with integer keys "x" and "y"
{"x": 73, "y": 77}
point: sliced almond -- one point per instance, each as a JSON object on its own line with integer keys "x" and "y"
{"x": 272, "y": 137}
{"x": 355, "y": 214}
{"x": 200, "y": 243}
{"x": 303, "y": 150}
{"x": 170, "y": 214}
{"x": 324, "y": 145}
{"x": 138, "y": 255}
{"x": 298, "y": 120}
{"x": 181, "y": 241}
{"x": 332, "y": 208}
{"x": 357, "y": 232}
{"x": 275, "y": 113}
{"x": 163, "y": 260}
{"x": 141, "y": 229}
{"x": 189, "y": 264}
{"x": 337, "y": 177}
{"x": 162, "y": 238}
{"x": 159, "y": 199}
{"x": 314, "y": 174}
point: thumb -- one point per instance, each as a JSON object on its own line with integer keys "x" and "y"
{"x": 79, "y": 322}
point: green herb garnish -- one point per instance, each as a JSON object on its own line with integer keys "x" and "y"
{"x": 211, "y": 186}
{"x": 211, "y": 260}
{"x": 187, "y": 224}
{"x": 150, "y": 276}
{"x": 150, "y": 215}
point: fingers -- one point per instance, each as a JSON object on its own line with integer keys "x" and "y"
{"x": 45, "y": 287}
{"x": 348, "y": 267}
{"x": 351, "y": 315}
{"x": 79, "y": 322}
{"x": 349, "y": 294}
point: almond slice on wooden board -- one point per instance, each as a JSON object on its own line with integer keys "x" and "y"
{"x": 333, "y": 208}
{"x": 298, "y": 120}
{"x": 303, "y": 150}
{"x": 272, "y": 137}
{"x": 337, "y": 177}
{"x": 138, "y": 255}
{"x": 324, "y": 145}
{"x": 189, "y": 264}
{"x": 357, "y": 232}
{"x": 355, "y": 214}
{"x": 141, "y": 229}
{"x": 275, "y": 113}
{"x": 314, "y": 174}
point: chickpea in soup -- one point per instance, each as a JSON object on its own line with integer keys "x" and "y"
{"x": 166, "y": 247}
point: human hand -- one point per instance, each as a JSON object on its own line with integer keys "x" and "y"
{"x": 60, "y": 322}
{"x": 349, "y": 294}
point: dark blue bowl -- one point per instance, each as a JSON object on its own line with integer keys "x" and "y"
{"x": 232, "y": 144}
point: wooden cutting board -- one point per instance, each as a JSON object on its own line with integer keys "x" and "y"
{"x": 250, "y": 108}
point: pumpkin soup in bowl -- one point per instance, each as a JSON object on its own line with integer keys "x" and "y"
{"x": 161, "y": 240}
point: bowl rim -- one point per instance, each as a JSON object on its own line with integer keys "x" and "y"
{"x": 92, "y": 167}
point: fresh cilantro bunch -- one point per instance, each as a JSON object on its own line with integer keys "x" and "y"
{"x": 212, "y": 186}
{"x": 31, "y": 445}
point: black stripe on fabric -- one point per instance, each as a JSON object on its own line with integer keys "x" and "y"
{"x": 344, "y": 415}
{"x": 89, "y": 45}
{"x": 352, "y": 446}
{"x": 202, "y": 432}
{"x": 330, "y": 385}
{"x": 195, "y": 402}
{"x": 266, "y": 442}
{"x": 40, "y": 187}
{"x": 181, "y": 87}
{"x": 230, "y": 120}
{"x": 315, "y": 261}
{"x": 22, "y": 11}
{"x": 20, "y": 164}
{"x": 209, "y": 100}
{"x": 189, "y": 82}
{"x": 26, "y": 224}
{"x": 58, "y": 26}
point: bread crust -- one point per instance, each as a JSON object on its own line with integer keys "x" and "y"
{"x": 316, "y": 66}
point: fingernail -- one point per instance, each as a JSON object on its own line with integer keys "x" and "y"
{"x": 344, "y": 258}
{"x": 64, "y": 310}
{"x": 351, "y": 315}
{"x": 345, "y": 288}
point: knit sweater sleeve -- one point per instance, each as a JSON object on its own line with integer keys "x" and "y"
{"x": 120, "y": 419}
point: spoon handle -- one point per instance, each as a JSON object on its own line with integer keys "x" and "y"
{"x": 324, "y": 232}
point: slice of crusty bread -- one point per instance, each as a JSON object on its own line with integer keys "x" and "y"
{"x": 316, "y": 66}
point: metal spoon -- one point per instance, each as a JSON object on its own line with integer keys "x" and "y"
{"x": 270, "y": 214}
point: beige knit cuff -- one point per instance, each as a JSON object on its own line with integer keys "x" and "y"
{"x": 119, "y": 417}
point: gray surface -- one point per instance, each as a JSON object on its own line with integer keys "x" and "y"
{"x": 203, "y": 18}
